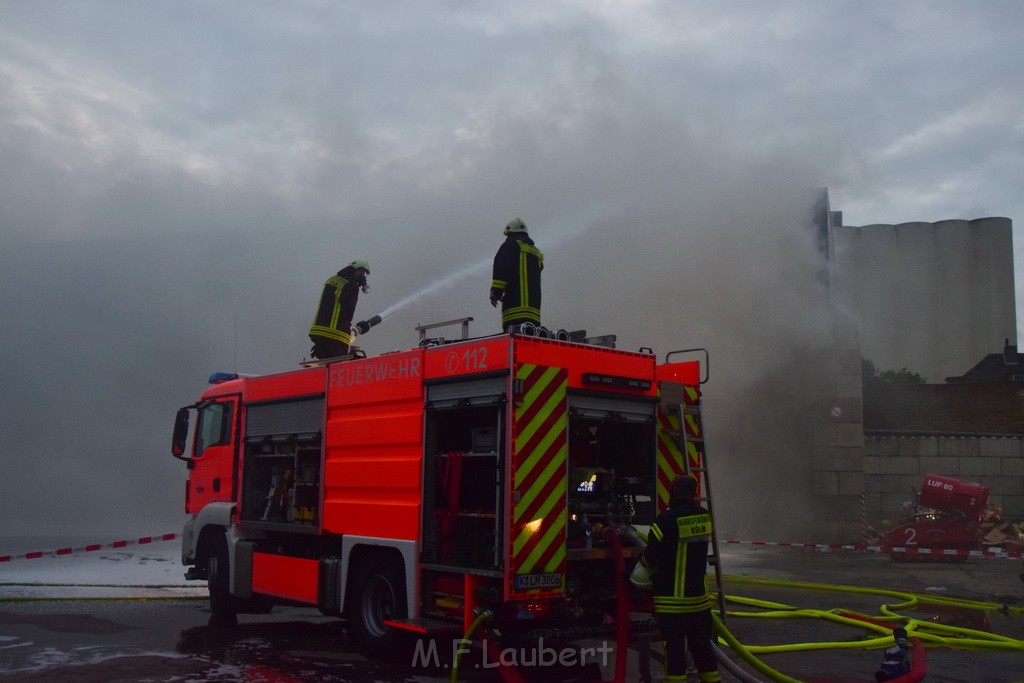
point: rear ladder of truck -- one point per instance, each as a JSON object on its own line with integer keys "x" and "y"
{"x": 690, "y": 441}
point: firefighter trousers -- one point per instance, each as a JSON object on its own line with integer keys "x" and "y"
{"x": 692, "y": 630}
{"x": 327, "y": 348}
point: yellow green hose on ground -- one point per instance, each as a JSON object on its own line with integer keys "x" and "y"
{"x": 878, "y": 627}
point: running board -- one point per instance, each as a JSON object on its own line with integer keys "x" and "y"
{"x": 427, "y": 625}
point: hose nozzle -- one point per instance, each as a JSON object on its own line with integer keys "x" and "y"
{"x": 363, "y": 326}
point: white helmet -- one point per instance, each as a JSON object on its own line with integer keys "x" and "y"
{"x": 361, "y": 263}
{"x": 641, "y": 577}
{"x": 515, "y": 225}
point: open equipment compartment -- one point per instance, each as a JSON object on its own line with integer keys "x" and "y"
{"x": 281, "y": 471}
{"x": 463, "y": 478}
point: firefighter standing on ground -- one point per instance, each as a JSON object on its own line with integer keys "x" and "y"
{"x": 676, "y": 560}
{"x": 331, "y": 331}
{"x": 516, "y": 278}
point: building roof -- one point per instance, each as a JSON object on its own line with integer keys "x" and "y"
{"x": 962, "y": 408}
{"x": 1007, "y": 366}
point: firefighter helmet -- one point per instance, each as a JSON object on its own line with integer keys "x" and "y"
{"x": 641, "y": 577}
{"x": 515, "y": 225}
{"x": 361, "y": 263}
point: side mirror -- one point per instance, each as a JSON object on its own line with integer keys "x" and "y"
{"x": 180, "y": 437}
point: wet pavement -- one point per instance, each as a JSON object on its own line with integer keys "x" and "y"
{"x": 172, "y": 638}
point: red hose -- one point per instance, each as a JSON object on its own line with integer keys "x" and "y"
{"x": 918, "y": 666}
{"x": 621, "y": 606}
{"x": 918, "y": 663}
{"x": 509, "y": 674}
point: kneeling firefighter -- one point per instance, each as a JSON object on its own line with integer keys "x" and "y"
{"x": 331, "y": 331}
{"x": 674, "y": 564}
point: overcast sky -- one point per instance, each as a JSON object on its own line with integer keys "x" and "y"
{"x": 178, "y": 179}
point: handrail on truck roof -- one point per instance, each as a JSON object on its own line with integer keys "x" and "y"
{"x": 422, "y": 329}
{"x": 706, "y": 365}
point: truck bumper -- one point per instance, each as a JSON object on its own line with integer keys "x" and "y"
{"x": 188, "y": 543}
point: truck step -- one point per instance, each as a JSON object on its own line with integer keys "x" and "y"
{"x": 427, "y": 625}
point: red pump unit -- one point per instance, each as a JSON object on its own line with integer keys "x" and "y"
{"x": 960, "y": 498}
{"x": 946, "y": 516}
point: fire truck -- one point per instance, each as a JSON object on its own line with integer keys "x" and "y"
{"x": 412, "y": 491}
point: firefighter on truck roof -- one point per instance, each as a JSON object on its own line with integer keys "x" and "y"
{"x": 674, "y": 564}
{"x": 516, "y": 277}
{"x": 331, "y": 331}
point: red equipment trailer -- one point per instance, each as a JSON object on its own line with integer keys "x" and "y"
{"x": 945, "y": 518}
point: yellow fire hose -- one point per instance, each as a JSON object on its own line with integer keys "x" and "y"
{"x": 931, "y": 634}
{"x": 482, "y": 617}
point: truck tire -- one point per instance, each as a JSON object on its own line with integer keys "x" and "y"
{"x": 377, "y": 594}
{"x": 217, "y": 568}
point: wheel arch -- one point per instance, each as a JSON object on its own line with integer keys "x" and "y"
{"x": 356, "y": 550}
{"x": 216, "y": 515}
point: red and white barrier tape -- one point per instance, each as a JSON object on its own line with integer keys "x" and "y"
{"x": 991, "y": 554}
{"x": 145, "y": 540}
{"x": 912, "y": 551}
{"x": 810, "y": 546}
{"x": 821, "y": 547}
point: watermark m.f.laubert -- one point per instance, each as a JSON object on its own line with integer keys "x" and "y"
{"x": 539, "y": 655}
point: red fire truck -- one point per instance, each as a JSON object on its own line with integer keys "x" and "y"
{"x": 412, "y": 490}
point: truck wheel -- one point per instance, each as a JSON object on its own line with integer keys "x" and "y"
{"x": 378, "y": 594}
{"x": 217, "y": 568}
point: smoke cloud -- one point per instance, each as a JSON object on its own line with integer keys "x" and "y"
{"x": 178, "y": 188}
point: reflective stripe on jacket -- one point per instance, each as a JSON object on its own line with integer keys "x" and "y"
{"x": 333, "y": 317}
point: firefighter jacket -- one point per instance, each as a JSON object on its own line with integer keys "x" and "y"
{"x": 333, "y": 318}
{"x": 516, "y": 279}
{"x": 677, "y": 553}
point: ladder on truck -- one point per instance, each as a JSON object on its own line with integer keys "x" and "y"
{"x": 691, "y": 433}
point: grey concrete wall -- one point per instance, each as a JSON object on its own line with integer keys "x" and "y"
{"x": 895, "y": 466}
{"x": 837, "y": 454}
{"x": 932, "y": 297}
